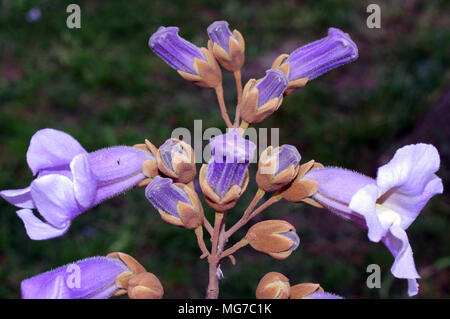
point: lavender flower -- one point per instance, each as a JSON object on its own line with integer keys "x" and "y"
{"x": 70, "y": 180}
{"x": 387, "y": 205}
{"x": 164, "y": 195}
{"x": 228, "y": 47}
{"x": 319, "y": 57}
{"x": 174, "y": 50}
{"x": 231, "y": 157}
{"x": 90, "y": 278}
{"x": 277, "y": 167}
{"x": 271, "y": 86}
{"x": 322, "y": 295}
{"x": 176, "y": 203}
{"x": 176, "y": 160}
{"x": 219, "y": 33}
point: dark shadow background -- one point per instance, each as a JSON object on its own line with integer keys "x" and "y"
{"x": 104, "y": 86}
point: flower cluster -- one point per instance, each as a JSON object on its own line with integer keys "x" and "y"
{"x": 70, "y": 180}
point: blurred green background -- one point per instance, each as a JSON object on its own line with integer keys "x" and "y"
{"x": 103, "y": 85}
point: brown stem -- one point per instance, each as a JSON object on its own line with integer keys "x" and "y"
{"x": 201, "y": 242}
{"x": 243, "y": 242}
{"x": 275, "y": 198}
{"x": 237, "y": 77}
{"x": 223, "y": 108}
{"x": 212, "y": 291}
{"x": 244, "y": 219}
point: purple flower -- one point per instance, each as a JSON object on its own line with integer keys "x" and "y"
{"x": 387, "y": 205}
{"x": 174, "y": 50}
{"x": 219, "y": 33}
{"x": 231, "y": 155}
{"x": 70, "y": 181}
{"x": 322, "y": 295}
{"x": 90, "y": 278}
{"x": 165, "y": 196}
{"x": 316, "y": 58}
{"x": 271, "y": 86}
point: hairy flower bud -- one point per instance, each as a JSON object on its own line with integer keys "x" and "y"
{"x": 177, "y": 203}
{"x": 225, "y": 177}
{"x": 263, "y": 97}
{"x": 273, "y": 286}
{"x": 301, "y": 189}
{"x": 175, "y": 159}
{"x": 317, "y": 58}
{"x": 301, "y": 290}
{"x": 145, "y": 286}
{"x": 228, "y": 48}
{"x": 277, "y": 167}
{"x": 194, "y": 64}
{"x": 276, "y": 238}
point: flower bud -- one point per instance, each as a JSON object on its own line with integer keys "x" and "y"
{"x": 145, "y": 286}
{"x": 263, "y": 97}
{"x": 301, "y": 290}
{"x": 225, "y": 177}
{"x": 301, "y": 189}
{"x": 175, "y": 159}
{"x": 273, "y": 286}
{"x": 277, "y": 167}
{"x": 194, "y": 64}
{"x": 317, "y": 58}
{"x": 228, "y": 48}
{"x": 177, "y": 203}
{"x": 276, "y": 238}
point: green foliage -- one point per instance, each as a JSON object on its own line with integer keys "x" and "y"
{"x": 103, "y": 85}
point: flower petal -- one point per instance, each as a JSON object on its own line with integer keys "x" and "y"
{"x": 90, "y": 278}
{"x": 408, "y": 180}
{"x": 18, "y": 197}
{"x": 364, "y": 203}
{"x": 84, "y": 183}
{"x": 397, "y": 242}
{"x": 54, "y": 198}
{"x": 51, "y": 148}
{"x": 37, "y": 229}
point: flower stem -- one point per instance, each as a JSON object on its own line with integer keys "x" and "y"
{"x": 223, "y": 108}
{"x": 244, "y": 219}
{"x": 237, "y": 77}
{"x": 212, "y": 291}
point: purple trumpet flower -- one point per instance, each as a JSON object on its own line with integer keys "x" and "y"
{"x": 164, "y": 195}
{"x": 174, "y": 50}
{"x": 90, "y": 278}
{"x": 319, "y": 57}
{"x": 287, "y": 156}
{"x": 272, "y": 86}
{"x": 387, "y": 205}
{"x": 219, "y": 33}
{"x": 231, "y": 155}
{"x": 70, "y": 181}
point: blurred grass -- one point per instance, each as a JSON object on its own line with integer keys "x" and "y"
{"x": 103, "y": 85}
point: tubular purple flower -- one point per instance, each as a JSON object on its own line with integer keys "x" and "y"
{"x": 319, "y": 57}
{"x": 177, "y": 203}
{"x": 272, "y": 86}
{"x": 174, "y": 50}
{"x": 225, "y": 177}
{"x": 70, "y": 181}
{"x": 387, "y": 205}
{"x": 90, "y": 278}
{"x": 231, "y": 157}
{"x": 219, "y": 33}
{"x": 164, "y": 195}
